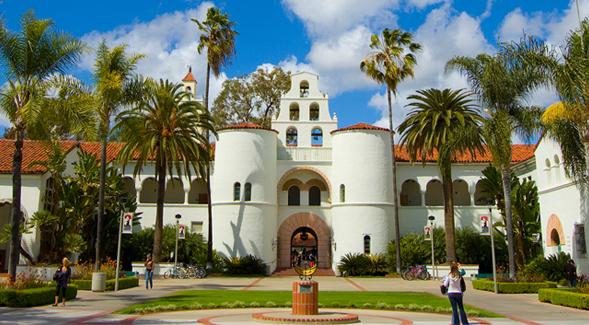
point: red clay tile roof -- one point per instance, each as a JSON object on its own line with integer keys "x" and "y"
{"x": 32, "y": 151}
{"x": 189, "y": 77}
{"x": 520, "y": 152}
{"x": 112, "y": 149}
{"x": 360, "y": 126}
{"x": 245, "y": 125}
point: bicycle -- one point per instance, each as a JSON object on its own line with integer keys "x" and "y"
{"x": 177, "y": 272}
{"x": 196, "y": 272}
{"x": 419, "y": 272}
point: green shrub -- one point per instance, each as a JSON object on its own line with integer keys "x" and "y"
{"x": 564, "y": 297}
{"x": 124, "y": 283}
{"x": 243, "y": 265}
{"x": 377, "y": 264}
{"x": 552, "y": 267}
{"x": 33, "y": 297}
{"x": 511, "y": 287}
{"x": 354, "y": 264}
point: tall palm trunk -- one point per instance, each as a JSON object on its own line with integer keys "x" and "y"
{"x": 208, "y": 172}
{"x": 16, "y": 199}
{"x": 395, "y": 199}
{"x": 159, "y": 214}
{"x": 449, "y": 227}
{"x": 101, "y": 191}
{"x": 506, "y": 178}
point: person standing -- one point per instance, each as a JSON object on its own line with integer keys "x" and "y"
{"x": 149, "y": 272}
{"x": 570, "y": 273}
{"x": 456, "y": 286}
{"x": 63, "y": 280}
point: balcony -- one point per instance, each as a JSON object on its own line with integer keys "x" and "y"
{"x": 304, "y": 154}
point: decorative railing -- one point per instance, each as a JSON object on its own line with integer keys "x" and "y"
{"x": 304, "y": 154}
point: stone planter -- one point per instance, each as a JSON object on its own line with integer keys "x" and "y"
{"x": 98, "y": 282}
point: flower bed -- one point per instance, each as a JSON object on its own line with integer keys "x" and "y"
{"x": 33, "y": 297}
{"x": 512, "y": 287}
{"x": 564, "y": 297}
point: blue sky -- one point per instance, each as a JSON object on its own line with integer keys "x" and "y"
{"x": 327, "y": 37}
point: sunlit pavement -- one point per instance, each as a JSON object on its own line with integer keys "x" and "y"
{"x": 96, "y": 308}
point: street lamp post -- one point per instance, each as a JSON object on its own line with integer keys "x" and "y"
{"x": 178, "y": 216}
{"x": 431, "y": 219}
{"x": 490, "y": 205}
{"x": 122, "y": 202}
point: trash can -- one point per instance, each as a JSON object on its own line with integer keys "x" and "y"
{"x": 98, "y": 282}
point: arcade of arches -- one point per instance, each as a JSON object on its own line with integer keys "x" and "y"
{"x": 307, "y": 231}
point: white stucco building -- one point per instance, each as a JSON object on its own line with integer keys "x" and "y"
{"x": 304, "y": 183}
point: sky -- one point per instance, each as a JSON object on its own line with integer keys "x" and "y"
{"x": 326, "y": 37}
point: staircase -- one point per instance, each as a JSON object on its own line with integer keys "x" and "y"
{"x": 291, "y": 272}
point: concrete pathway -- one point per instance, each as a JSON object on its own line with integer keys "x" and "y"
{"x": 96, "y": 308}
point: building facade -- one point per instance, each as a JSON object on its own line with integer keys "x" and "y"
{"x": 306, "y": 185}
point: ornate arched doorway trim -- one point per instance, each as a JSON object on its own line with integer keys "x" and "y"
{"x": 315, "y": 170}
{"x": 554, "y": 224}
{"x": 310, "y": 220}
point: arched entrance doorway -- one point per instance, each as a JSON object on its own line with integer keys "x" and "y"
{"x": 292, "y": 233}
{"x": 303, "y": 245}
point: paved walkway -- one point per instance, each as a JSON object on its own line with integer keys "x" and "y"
{"x": 96, "y": 308}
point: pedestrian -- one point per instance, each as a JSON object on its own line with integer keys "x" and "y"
{"x": 570, "y": 273}
{"x": 456, "y": 286}
{"x": 64, "y": 274}
{"x": 149, "y": 272}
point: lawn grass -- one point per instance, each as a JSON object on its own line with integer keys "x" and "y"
{"x": 208, "y": 299}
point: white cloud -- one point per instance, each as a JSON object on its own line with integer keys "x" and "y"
{"x": 328, "y": 18}
{"x": 170, "y": 42}
{"x": 516, "y": 23}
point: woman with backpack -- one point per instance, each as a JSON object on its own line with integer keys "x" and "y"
{"x": 456, "y": 286}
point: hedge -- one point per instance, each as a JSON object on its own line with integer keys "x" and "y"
{"x": 512, "y": 287}
{"x": 564, "y": 297}
{"x": 33, "y": 297}
{"x": 124, "y": 283}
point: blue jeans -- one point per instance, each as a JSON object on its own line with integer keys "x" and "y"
{"x": 456, "y": 299}
{"x": 148, "y": 279}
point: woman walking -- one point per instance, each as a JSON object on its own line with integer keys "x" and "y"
{"x": 63, "y": 280}
{"x": 455, "y": 284}
{"x": 149, "y": 272}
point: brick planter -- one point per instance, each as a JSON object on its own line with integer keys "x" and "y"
{"x": 305, "y": 298}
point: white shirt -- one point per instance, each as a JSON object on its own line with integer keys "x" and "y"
{"x": 453, "y": 284}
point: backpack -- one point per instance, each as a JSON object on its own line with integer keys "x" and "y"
{"x": 462, "y": 284}
{"x": 56, "y": 275}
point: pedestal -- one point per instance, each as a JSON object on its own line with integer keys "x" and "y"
{"x": 305, "y": 298}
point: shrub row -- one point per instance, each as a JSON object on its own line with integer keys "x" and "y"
{"x": 564, "y": 297}
{"x": 124, "y": 283}
{"x": 33, "y": 297}
{"x": 512, "y": 287}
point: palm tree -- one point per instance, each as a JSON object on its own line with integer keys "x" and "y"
{"x": 113, "y": 74}
{"x": 29, "y": 57}
{"x": 166, "y": 127}
{"x": 502, "y": 84}
{"x": 440, "y": 121}
{"x": 218, "y": 37}
{"x": 389, "y": 65}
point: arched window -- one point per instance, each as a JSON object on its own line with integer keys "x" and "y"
{"x": 314, "y": 196}
{"x": 410, "y": 193}
{"x": 480, "y": 198}
{"x": 304, "y": 88}
{"x": 461, "y": 194}
{"x": 556, "y": 160}
{"x": 248, "y": 192}
{"x": 49, "y": 194}
{"x": 174, "y": 191}
{"x": 547, "y": 163}
{"x": 148, "y": 192}
{"x": 314, "y": 112}
{"x": 317, "y": 137}
{"x": 366, "y": 244}
{"x": 434, "y": 196}
{"x": 188, "y": 90}
{"x": 291, "y": 137}
{"x": 294, "y": 112}
{"x": 294, "y": 196}
{"x": 236, "y": 191}
{"x": 342, "y": 193}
